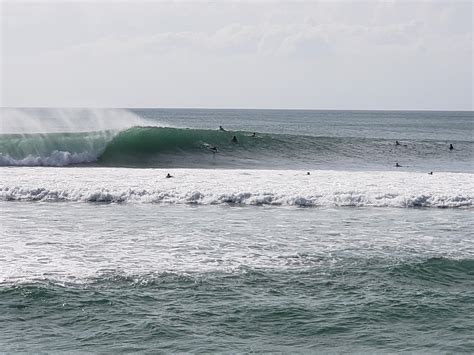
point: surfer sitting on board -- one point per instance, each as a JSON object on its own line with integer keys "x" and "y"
{"x": 451, "y": 147}
{"x": 169, "y": 176}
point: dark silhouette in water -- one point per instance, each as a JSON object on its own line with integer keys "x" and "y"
{"x": 234, "y": 139}
{"x": 397, "y": 143}
{"x": 397, "y": 165}
{"x": 253, "y": 135}
{"x": 221, "y": 128}
{"x": 451, "y": 147}
{"x": 169, "y": 176}
{"x": 308, "y": 173}
{"x": 213, "y": 149}
{"x": 430, "y": 173}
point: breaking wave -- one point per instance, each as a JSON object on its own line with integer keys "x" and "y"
{"x": 240, "y": 187}
{"x": 143, "y": 146}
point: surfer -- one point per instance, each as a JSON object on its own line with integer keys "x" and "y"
{"x": 234, "y": 139}
{"x": 397, "y": 143}
{"x": 221, "y": 128}
{"x": 213, "y": 149}
{"x": 308, "y": 173}
{"x": 451, "y": 147}
{"x": 397, "y": 165}
{"x": 169, "y": 176}
{"x": 430, "y": 173}
{"x": 253, "y": 135}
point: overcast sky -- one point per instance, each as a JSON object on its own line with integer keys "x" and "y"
{"x": 315, "y": 55}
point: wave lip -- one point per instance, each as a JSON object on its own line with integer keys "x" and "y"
{"x": 240, "y": 187}
{"x": 53, "y": 149}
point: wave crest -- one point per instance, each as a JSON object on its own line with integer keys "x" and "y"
{"x": 145, "y": 146}
{"x": 205, "y": 195}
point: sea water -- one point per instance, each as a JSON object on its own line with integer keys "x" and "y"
{"x": 241, "y": 250}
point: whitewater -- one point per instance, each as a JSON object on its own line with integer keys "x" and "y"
{"x": 303, "y": 237}
{"x": 242, "y": 187}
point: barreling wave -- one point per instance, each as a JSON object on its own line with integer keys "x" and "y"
{"x": 141, "y": 146}
{"x": 52, "y": 149}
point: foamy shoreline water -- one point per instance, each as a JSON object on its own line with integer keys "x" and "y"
{"x": 244, "y": 187}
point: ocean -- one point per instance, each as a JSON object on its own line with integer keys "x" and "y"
{"x": 298, "y": 235}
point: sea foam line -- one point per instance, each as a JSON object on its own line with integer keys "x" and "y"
{"x": 242, "y": 187}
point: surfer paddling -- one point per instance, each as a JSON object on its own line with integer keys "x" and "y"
{"x": 222, "y": 129}
{"x": 169, "y": 176}
{"x": 397, "y": 165}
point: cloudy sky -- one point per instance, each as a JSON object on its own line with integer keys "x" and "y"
{"x": 320, "y": 55}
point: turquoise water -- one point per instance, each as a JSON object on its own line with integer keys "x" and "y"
{"x": 241, "y": 251}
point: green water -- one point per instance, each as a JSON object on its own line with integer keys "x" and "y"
{"x": 220, "y": 279}
{"x": 134, "y": 262}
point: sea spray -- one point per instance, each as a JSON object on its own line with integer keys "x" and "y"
{"x": 24, "y": 121}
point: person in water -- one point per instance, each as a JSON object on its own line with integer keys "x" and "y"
{"x": 253, "y": 135}
{"x": 397, "y": 143}
{"x": 308, "y": 173}
{"x": 169, "y": 176}
{"x": 234, "y": 139}
{"x": 397, "y": 165}
{"x": 221, "y": 128}
{"x": 430, "y": 173}
{"x": 213, "y": 149}
{"x": 451, "y": 147}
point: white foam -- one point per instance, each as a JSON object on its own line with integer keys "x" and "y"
{"x": 244, "y": 187}
{"x": 57, "y": 158}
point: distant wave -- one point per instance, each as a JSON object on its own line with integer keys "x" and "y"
{"x": 180, "y": 147}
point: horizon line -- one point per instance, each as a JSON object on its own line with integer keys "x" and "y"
{"x": 232, "y": 108}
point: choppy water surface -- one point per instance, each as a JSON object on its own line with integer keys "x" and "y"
{"x": 241, "y": 250}
{"x": 214, "y": 278}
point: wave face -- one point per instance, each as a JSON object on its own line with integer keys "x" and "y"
{"x": 177, "y": 147}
